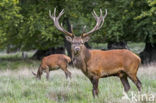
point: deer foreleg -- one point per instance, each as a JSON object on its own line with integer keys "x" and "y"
{"x": 95, "y": 89}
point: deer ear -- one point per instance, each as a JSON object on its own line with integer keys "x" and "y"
{"x": 68, "y": 38}
{"x": 85, "y": 39}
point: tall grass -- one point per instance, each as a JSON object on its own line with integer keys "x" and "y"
{"x": 20, "y": 86}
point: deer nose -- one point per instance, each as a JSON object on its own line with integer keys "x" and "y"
{"x": 77, "y": 49}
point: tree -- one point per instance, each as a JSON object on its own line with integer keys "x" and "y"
{"x": 10, "y": 19}
{"x": 26, "y": 25}
{"x": 146, "y": 28}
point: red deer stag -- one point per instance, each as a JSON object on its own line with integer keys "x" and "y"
{"x": 96, "y": 64}
{"x": 53, "y": 62}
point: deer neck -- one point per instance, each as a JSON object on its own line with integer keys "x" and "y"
{"x": 80, "y": 61}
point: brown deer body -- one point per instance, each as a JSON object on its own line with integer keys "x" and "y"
{"x": 53, "y": 62}
{"x": 96, "y": 64}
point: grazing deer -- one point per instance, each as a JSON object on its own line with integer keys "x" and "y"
{"x": 96, "y": 64}
{"x": 53, "y": 62}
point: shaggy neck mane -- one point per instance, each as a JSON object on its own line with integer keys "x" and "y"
{"x": 80, "y": 61}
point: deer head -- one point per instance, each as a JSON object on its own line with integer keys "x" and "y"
{"x": 77, "y": 43}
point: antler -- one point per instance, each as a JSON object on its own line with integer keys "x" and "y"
{"x": 56, "y": 22}
{"x": 99, "y": 22}
{"x": 84, "y": 28}
{"x": 71, "y": 28}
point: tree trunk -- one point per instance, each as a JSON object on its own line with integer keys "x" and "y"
{"x": 149, "y": 53}
{"x": 117, "y": 45}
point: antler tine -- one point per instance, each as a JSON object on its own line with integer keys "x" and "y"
{"x": 55, "y": 12}
{"x": 50, "y": 14}
{"x": 99, "y": 22}
{"x": 103, "y": 18}
{"x": 101, "y": 13}
{"x": 71, "y": 27}
{"x": 84, "y": 28}
{"x": 105, "y": 13}
{"x": 94, "y": 14}
{"x": 56, "y": 21}
{"x": 61, "y": 13}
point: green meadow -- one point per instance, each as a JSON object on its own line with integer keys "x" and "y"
{"x": 18, "y": 85}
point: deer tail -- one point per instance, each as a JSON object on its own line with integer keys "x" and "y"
{"x": 68, "y": 59}
{"x": 38, "y": 72}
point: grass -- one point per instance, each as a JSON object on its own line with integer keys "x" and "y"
{"x": 19, "y": 86}
{"x": 14, "y": 61}
{"x": 134, "y": 47}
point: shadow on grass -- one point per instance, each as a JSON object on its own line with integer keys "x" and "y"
{"x": 15, "y": 63}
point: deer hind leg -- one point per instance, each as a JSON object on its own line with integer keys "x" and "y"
{"x": 125, "y": 83}
{"x": 47, "y": 73}
{"x": 136, "y": 81}
{"x": 67, "y": 73}
{"x": 95, "y": 89}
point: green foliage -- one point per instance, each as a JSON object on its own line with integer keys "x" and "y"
{"x": 10, "y": 19}
{"x": 147, "y": 22}
{"x": 122, "y": 22}
{"x": 37, "y": 30}
{"x": 26, "y": 25}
